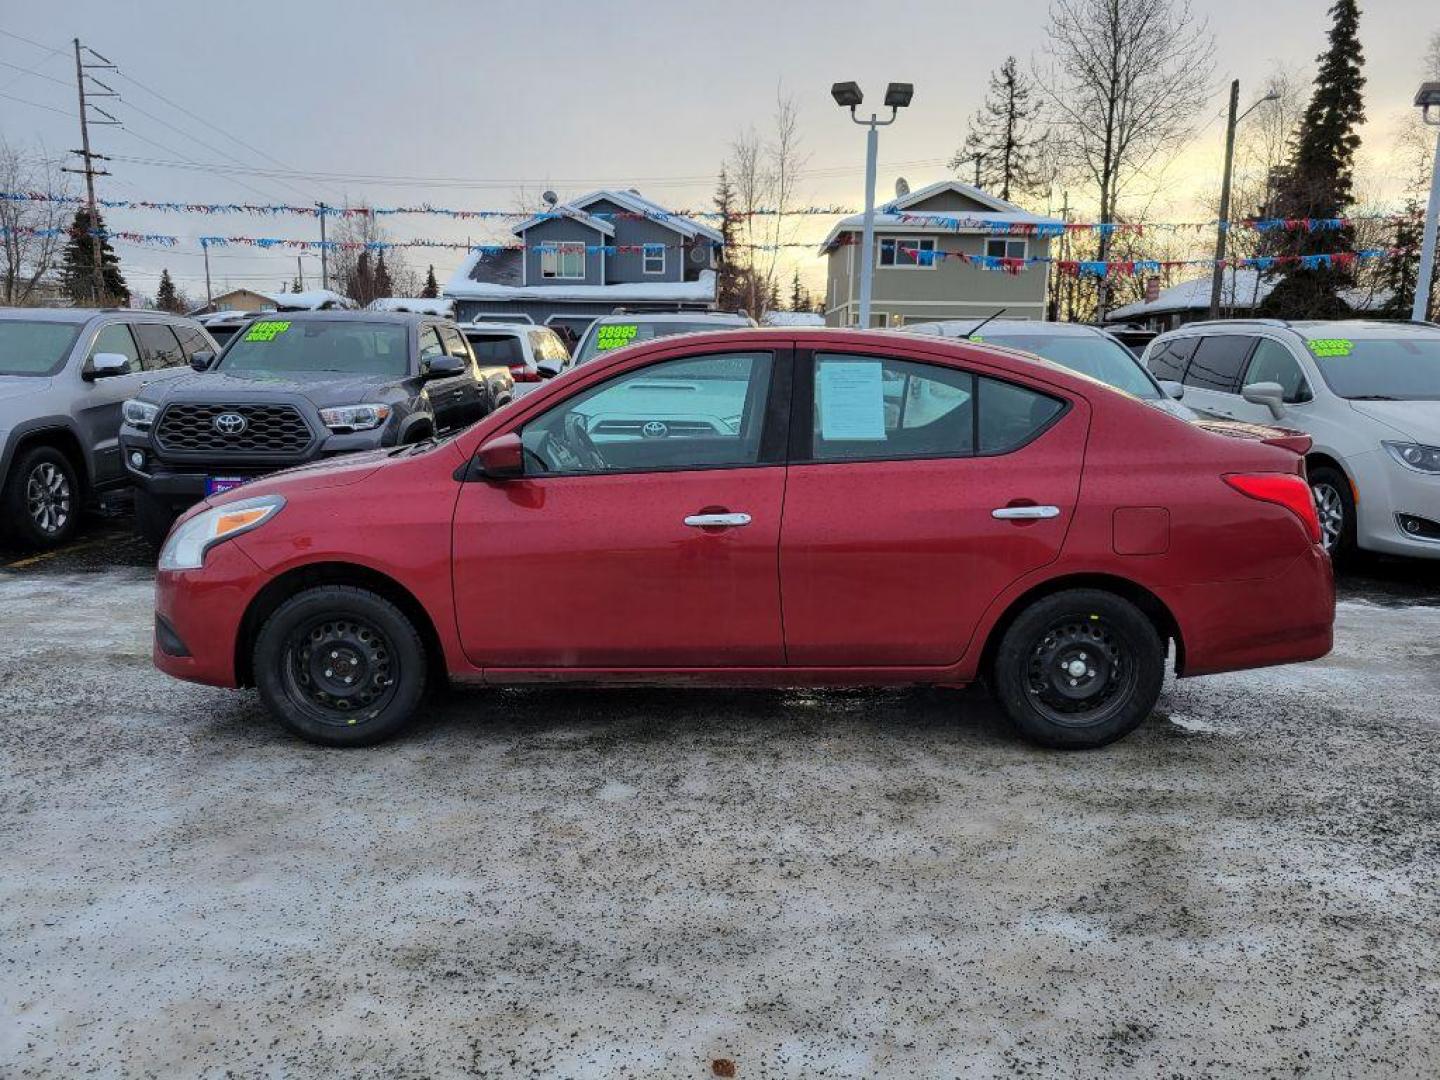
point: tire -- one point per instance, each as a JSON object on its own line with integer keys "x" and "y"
{"x": 368, "y": 639}
{"x": 1335, "y": 503}
{"x": 153, "y": 519}
{"x": 1119, "y": 667}
{"x": 41, "y": 501}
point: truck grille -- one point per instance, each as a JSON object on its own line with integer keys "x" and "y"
{"x": 268, "y": 429}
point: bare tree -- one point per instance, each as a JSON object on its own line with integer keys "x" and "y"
{"x": 365, "y": 228}
{"x": 1126, "y": 80}
{"x": 27, "y": 255}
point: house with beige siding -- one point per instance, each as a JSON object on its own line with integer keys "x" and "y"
{"x": 920, "y": 275}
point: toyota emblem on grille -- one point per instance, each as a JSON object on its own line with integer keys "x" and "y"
{"x": 654, "y": 430}
{"x": 229, "y": 423}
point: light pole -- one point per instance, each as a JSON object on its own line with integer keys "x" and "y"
{"x": 848, "y": 96}
{"x": 1428, "y": 97}
{"x": 1222, "y": 230}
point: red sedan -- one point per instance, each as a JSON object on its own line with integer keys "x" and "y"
{"x": 765, "y": 508}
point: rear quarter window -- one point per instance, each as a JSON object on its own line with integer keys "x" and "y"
{"x": 1169, "y": 358}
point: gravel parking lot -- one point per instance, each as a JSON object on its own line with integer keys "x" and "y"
{"x": 637, "y": 884}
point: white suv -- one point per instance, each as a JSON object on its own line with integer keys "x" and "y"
{"x": 1367, "y": 393}
{"x": 532, "y": 353}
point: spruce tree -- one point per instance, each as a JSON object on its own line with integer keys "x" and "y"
{"x": 1000, "y": 135}
{"x": 166, "y": 299}
{"x": 77, "y": 265}
{"x": 383, "y": 284}
{"x": 1318, "y": 182}
{"x": 730, "y": 288}
{"x": 431, "y": 291}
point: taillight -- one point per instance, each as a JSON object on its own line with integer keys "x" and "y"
{"x": 1282, "y": 489}
{"x": 521, "y": 373}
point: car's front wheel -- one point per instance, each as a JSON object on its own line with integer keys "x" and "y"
{"x": 1079, "y": 669}
{"x": 1335, "y": 505}
{"x": 41, "y": 500}
{"x": 340, "y": 666}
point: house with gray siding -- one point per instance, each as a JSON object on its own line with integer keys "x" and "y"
{"x": 919, "y": 275}
{"x": 582, "y": 259}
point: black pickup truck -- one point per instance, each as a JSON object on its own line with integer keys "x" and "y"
{"x": 293, "y": 387}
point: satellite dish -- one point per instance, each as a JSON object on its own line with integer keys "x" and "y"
{"x": 902, "y": 187}
{"x": 699, "y": 254}
{"x": 550, "y": 198}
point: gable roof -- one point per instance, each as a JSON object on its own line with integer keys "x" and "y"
{"x": 638, "y": 204}
{"x": 568, "y": 210}
{"x": 954, "y": 187}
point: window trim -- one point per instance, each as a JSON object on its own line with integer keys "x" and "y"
{"x": 646, "y": 256}
{"x": 1008, "y": 240}
{"x": 933, "y": 241}
{"x": 1300, "y": 366}
{"x": 556, "y": 250}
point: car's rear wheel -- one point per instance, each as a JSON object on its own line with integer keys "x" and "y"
{"x": 340, "y": 666}
{"x": 1335, "y": 505}
{"x": 1079, "y": 669}
{"x": 41, "y": 500}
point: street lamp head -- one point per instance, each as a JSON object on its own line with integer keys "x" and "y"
{"x": 847, "y": 94}
{"x": 898, "y": 94}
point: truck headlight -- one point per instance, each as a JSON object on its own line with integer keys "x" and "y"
{"x": 140, "y": 414}
{"x": 1415, "y": 456}
{"x": 187, "y": 543}
{"x": 342, "y": 418}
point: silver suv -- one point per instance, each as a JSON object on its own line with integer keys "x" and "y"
{"x": 64, "y": 375}
{"x": 1367, "y": 393}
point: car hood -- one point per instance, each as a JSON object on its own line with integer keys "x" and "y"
{"x": 1418, "y": 420}
{"x": 14, "y": 386}
{"x": 207, "y": 387}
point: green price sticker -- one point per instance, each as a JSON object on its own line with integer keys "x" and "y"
{"x": 266, "y": 331}
{"x": 613, "y": 337}
{"x": 1332, "y": 346}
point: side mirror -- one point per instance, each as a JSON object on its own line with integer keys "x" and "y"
{"x": 1269, "y": 394}
{"x": 105, "y": 364}
{"x": 548, "y": 369}
{"x": 444, "y": 367}
{"x": 1173, "y": 389}
{"x": 503, "y": 457}
{"x": 201, "y": 361}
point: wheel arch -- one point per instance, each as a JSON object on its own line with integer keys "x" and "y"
{"x": 286, "y": 585}
{"x": 62, "y": 438}
{"x": 1322, "y": 459}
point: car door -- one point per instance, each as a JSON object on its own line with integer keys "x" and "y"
{"x": 467, "y": 394}
{"x": 98, "y": 402}
{"x": 644, "y": 532}
{"x": 441, "y": 393}
{"x": 1212, "y": 378}
{"x": 917, "y": 492}
{"x": 1272, "y": 362}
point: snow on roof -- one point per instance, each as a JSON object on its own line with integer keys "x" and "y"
{"x": 899, "y": 220}
{"x": 1240, "y": 290}
{"x": 461, "y": 287}
{"x": 566, "y": 210}
{"x": 957, "y": 187}
{"x": 310, "y": 300}
{"x": 638, "y": 204}
{"x": 419, "y": 305}
{"x": 792, "y": 318}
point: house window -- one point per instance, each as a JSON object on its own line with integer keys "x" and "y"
{"x": 654, "y": 256}
{"x": 1003, "y": 248}
{"x": 907, "y": 252}
{"x": 565, "y": 260}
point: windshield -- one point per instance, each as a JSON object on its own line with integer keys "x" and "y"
{"x": 1380, "y": 369}
{"x": 318, "y": 348}
{"x": 603, "y": 337}
{"x": 1099, "y": 357}
{"x": 35, "y": 347}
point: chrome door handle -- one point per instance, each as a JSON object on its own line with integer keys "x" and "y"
{"x": 717, "y": 521}
{"x": 1025, "y": 513}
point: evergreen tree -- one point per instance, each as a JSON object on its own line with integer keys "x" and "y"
{"x": 1000, "y": 135}
{"x": 731, "y": 286}
{"x": 431, "y": 291}
{"x": 77, "y": 264}
{"x": 1400, "y": 273}
{"x": 799, "y": 301}
{"x": 295, "y": 285}
{"x": 1318, "y": 181}
{"x": 166, "y": 299}
{"x": 383, "y": 285}
{"x": 360, "y": 283}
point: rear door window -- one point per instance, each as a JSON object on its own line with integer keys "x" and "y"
{"x": 1010, "y": 415}
{"x": 159, "y": 347}
{"x": 1168, "y": 358}
{"x": 1217, "y": 363}
{"x": 116, "y": 338}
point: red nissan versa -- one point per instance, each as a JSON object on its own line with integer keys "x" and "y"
{"x": 764, "y": 507}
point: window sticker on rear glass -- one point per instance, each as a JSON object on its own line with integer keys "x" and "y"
{"x": 1332, "y": 346}
{"x": 268, "y": 330}
{"x": 613, "y": 337}
{"x": 852, "y": 400}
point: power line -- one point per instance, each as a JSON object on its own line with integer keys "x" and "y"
{"x": 37, "y": 105}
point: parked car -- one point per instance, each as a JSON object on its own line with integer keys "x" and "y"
{"x": 1368, "y": 395}
{"x": 64, "y": 375}
{"x": 223, "y": 325}
{"x": 529, "y": 354}
{"x": 294, "y": 388}
{"x": 616, "y": 331}
{"x": 1086, "y": 349}
{"x": 924, "y": 510}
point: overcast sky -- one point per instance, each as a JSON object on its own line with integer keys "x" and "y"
{"x": 496, "y": 97}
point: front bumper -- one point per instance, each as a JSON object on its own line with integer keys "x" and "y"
{"x": 203, "y": 612}
{"x": 1387, "y": 490}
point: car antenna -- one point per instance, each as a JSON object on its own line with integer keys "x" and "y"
{"x": 983, "y": 323}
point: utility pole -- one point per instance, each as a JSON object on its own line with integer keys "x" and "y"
{"x": 324, "y": 251}
{"x": 1217, "y": 273}
{"x": 1427, "y": 98}
{"x": 209, "y": 301}
{"x": 300, "y": 272}
{"x": 89, "y": 157}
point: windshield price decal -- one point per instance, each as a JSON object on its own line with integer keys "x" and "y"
{"x": 267, "y": 331}
{"x": 1332, "y": 346}
{"x": 613, "y": 337}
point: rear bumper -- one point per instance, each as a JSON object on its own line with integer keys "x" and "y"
{"x": 1235, "y": 625}
{"x": 202, "y": 612}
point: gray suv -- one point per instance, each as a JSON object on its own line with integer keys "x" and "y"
{"x": 64, "y": 375}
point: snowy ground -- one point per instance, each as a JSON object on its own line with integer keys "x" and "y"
{"x": 568, "y": 884}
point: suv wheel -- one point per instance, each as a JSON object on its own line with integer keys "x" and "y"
{"x": 340, "y": 666}
{"x": 1079, "y": 669}
{"x": 42, "y": 498}
{"x": 1335, "y": 504}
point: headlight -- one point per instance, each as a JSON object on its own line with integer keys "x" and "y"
{"x": 1414, "y": 456}
{"x": 344, "y": 418}
{"x": 186, "y": 546}
{"x": 140, "y": 414}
